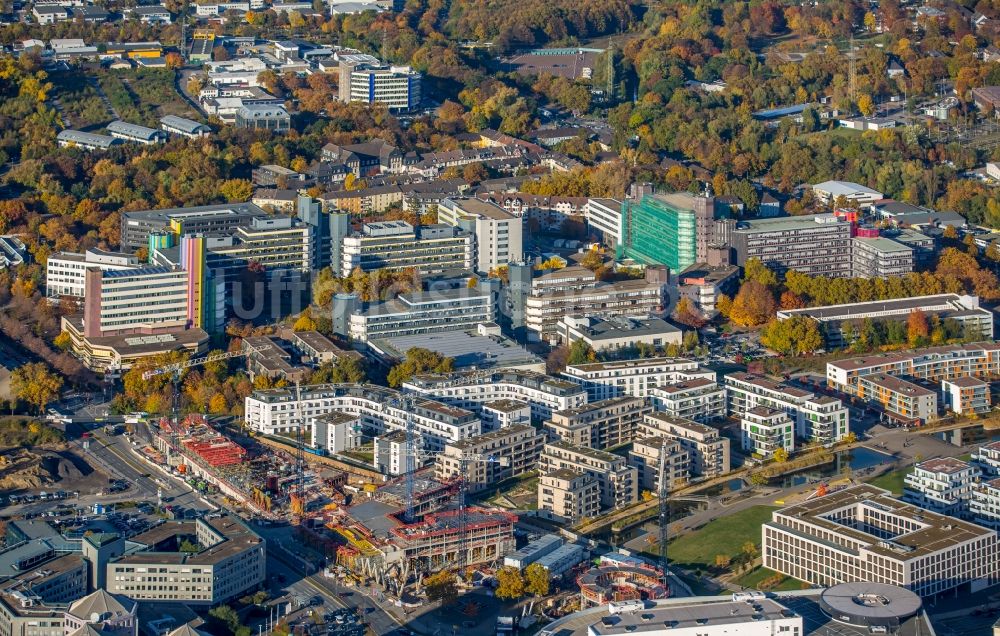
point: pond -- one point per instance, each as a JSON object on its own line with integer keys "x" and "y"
{"x": 733, "y": 485}
{"x": 855, "y": 460}
{"x": 678, "y": 510}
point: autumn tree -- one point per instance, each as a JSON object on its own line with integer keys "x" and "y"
{"x": 305, "y": 321}
{"x": 866, "y": 105}
{"x": 780, "y": 455}
{"x": 756, "y": 270}
{"x": 35, "y": 384}
{"x": 795, "y": 335}
{"x": 510, "y": 583}
{"x": 917, "y": 328}
{"x": 581, "y": 353}
{"x": 236, "y": 190}
{"x": 441, "y": 586}
{"x": 419, "y": 360}
{"x": 537, "y": 580}
{"x": 686, "y": 314}
{"x": 753, "y": 305}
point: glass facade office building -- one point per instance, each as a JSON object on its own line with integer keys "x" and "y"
{"x": 661, "y": 229}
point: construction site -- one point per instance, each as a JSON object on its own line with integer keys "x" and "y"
{"x": 621, "y": 578}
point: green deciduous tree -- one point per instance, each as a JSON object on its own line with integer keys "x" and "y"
{"x": 419, "y": 360}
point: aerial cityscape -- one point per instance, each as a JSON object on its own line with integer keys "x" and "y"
{"x": 506, "y": 317}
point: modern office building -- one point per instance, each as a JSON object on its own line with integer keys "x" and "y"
{"x": 475, "y": 390}
{"x": 900, "y": 399}
{"x": 272, "y": 117}
{"x": 943, "y": 485}
{"x": 602, "y": 425}
{"x": 397, "y": 245}
{"x": 536, "y": 303}
{"x": 85, "y": 140}
{"x": 514, "y": 450}
{"x": 414, "y": 313}
{"x": 981, "y": 360}
{"x": 604, "y": 219}
{"x": 498, "y": 232}
{"x": 880, "y": 257}
{"x": 668, "y": 229}
{"x": 207, "y": 219}
{"x": 832, "y": 318}
{"x": 645, "y": 458}
{"x": 829, "y": 192}
{"x": 814, "y": 245}
{"x": 381, "y": 410}
{"x": 966, "y": 395}
{"x": 66, "y": 272}
{"x": 764, "y": 431}
{"x": 568, "y": 496}
{"x": 184, "y": 127}
{"x": 229, "y": 564}
{"x": 863, "y": 534}
{"x": 817, "y": 418}
{"x": 618, "y": 482}
{"x": 618, "y": 332}
{"x": 135, "y": 133}
{"x": 697, "y": 399}
{"x": 102, "y": 613}
{"x": 708, "y": 451}
{"x": 397, "y": 87}
{"x": 637, "y": 378}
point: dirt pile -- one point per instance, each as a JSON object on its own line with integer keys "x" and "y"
{"x": 22, "y": 469}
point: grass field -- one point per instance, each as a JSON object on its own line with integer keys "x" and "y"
{"x": 725, "y": 535}
{"x": 892, "y": 480}
{"x": 753, "y": 578}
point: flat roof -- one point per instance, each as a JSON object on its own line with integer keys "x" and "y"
{"x": 930, "y": 353}
{"x": 897, "y": 385}
{"x": 845, "y": 188}
{"x": 933, "y": 302}
{"x": 628, "y": 364}
{"x": 466, "y": 347}
{"x": 710, "y": 616}
{"x": 882, "y": 244}
{"x": 472, "y": 205}
{"x": 946, "y": 465}
{"x": 791, "y": 223}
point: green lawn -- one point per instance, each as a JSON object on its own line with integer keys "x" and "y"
{"x": 891, "y": 481}
{"x": 752, "y": 580}
{"x": 725, "y": 535}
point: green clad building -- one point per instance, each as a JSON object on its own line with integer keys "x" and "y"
{"x": 667, "y": 229}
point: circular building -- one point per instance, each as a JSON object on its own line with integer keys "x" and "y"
{"x": 607, "y": 583}
{"x": 869, "y": 604}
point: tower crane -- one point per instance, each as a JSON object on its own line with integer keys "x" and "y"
{"x": 664, "y": 509}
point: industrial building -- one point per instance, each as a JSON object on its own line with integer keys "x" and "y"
{"x": 861, "y": 533}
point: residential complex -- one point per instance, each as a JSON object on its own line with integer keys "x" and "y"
{"x": 476, "y": 390}
{"x": 697, "y": 399}
{"x": 645, "y": 458}
{"x": 966, "y": 395}
{"x": 396, "y": 245}
{"x": 498, "y": 233}
{"x": 708, "y": 451}
{"x": 602, "y": 424}
{"x": 901, "y": 399}
{"x": 832, "y": 318}
{"x": 863, "y": 534}
{"x": 634, "y": 377}
{"x": 618, "y": 482}
{"x": 230, "y": 563}
{"x": 764, "y": 431}
{"x": 981, "y": 360}
{"x": 984, "y": 504}
{"x": 568, "y": 495}
{"x": 514, "y": 450}
{"x": 817, "y": 418}
{"x": 943, "y": 485}
{"x": 274, "y": 412}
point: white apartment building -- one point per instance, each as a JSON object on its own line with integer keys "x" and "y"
{"x": 764, "y": 430}
{"x": 498, "y": 232}
{"x": 503, "y": 413}
{"x": 987, "y": 459}
{"x": 473, "y": 390}
{"x": 390, "y": 455}
{"x": 981, "y": 360}
{"x": 603, "y": 424}
{"x": 398, "y": 87}
{"x": 514, "y": 451}
{"x": 707, "y": 450}
{"x": 943, "y": 485}
{"x": 380, "y": 410}
{"x": 396, "y": 245}
{"x": 336, "y": 432}
{"x": 65, "y": 272}
{"x": 698, "y": 399}
{"x": 617, "y": 481}
{"x": 645, "y": 458}
{"x": 604, "y": 218}
{"x": 966, "y": 395}
{"x": 818, "y": 418}
{"x": 637, "y": 378}
{"x": 863, "y": 534}
{"x": 984, "y": 504}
